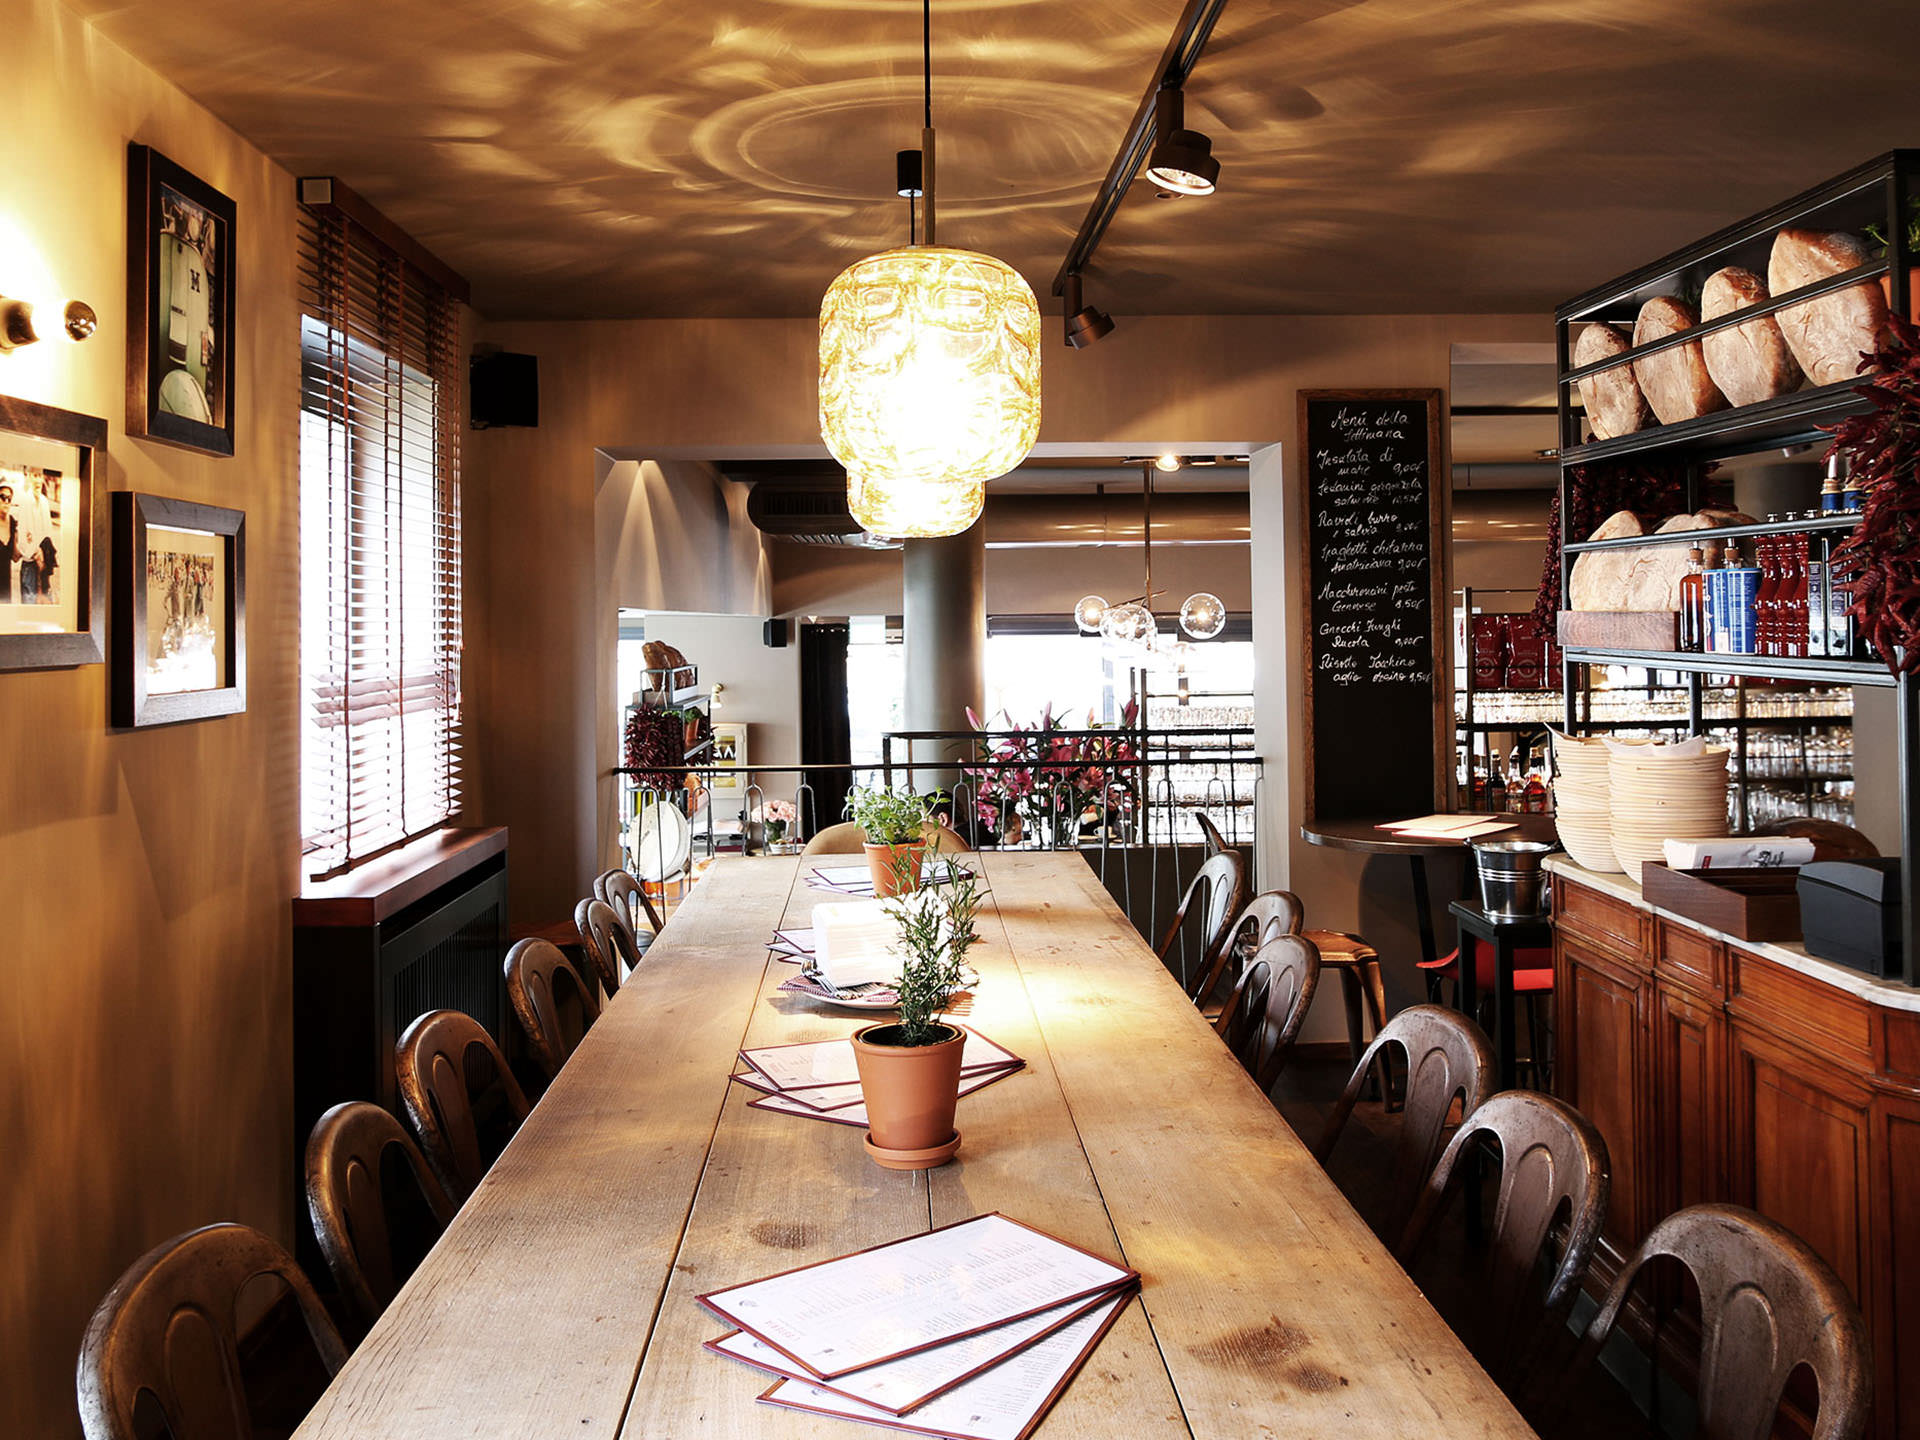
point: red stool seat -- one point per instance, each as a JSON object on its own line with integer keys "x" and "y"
{"x": 1532, "y": 967}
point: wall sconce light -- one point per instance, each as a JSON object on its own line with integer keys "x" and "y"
{"x": 18, "y": 325}
{"x": 1084, "y": 323}
{"x": 1182, "y": 160}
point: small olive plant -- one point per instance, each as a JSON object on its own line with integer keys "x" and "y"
{"x": 936, "y": 932}
{"x": 890, "y": 817}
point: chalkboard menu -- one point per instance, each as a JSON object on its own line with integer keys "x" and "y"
{"x": 1374, "y": 603}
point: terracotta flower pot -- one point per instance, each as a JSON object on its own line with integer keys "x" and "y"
{"x": 910, "y": 1090}
{"x": 880, "y": 862}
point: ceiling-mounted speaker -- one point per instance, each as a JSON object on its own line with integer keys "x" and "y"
{"x": 504, "y": 389}
{"x": 776, "y": 634}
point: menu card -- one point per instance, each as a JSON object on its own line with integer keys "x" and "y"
{"x": 897, "y": 1386}
{"x": 1446, "y": 827}
{"x": 858, "y": 879}
{"x": 878, "y": 1305}
{"x": 825, "y": 1065}
{"x": 1005, "y": 1402}
{"x": 795, "y": 944}
{"x": 848, "y": 1109}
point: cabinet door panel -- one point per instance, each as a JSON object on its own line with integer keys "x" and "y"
{"x": 1689, "y": 1100}
{"x": 1603, "y": 1011}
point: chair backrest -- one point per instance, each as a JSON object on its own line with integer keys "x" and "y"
{"x": 1831, "y": 839}
{"x": 169, "y": 1330}
{"x": 554, "y": 1004}
{"x": 1269, "y": 1000}
{"x": 461, "y": 1098}
{"x": 1270, "y": 913}
{"x": 630, "y": 902}
{"x": 1768, "y": 1304}
{"x": 846, "y": 838}
{"x": 376, "y": 1207}
{"x": 608, "y": 943}
{"x": 1448, "y": 1058}
{"x": 1553, "y": 1168}
{"x": 942, "y": 839}
{"x": 1218, "y": 891}
{"x": 1210, "y": 834}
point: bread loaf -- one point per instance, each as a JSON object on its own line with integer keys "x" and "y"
{"x": 1612, "y": 398}
{"x": 1830, "y": 334}
{"x": 1675, "y": 380}
{"x": 1599, "y": 578}
{"x": 1749, "y": 362}
{"x": 1653, "y": 582}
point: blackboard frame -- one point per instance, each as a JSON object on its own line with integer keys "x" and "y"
{"x": 1440, "y": 726}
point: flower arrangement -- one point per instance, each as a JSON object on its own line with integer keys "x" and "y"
{"x": 1882, "y": 557}
{"x": 1040, "y": 778}
{"x": 775, "y": 816}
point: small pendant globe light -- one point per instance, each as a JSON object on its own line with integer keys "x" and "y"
{"x": 1203, "y": 616}
{"x": 929, "y": 372}
{"x": 1089, "y": 613}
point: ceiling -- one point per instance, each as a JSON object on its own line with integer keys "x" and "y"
{"x": 579, "y": 158}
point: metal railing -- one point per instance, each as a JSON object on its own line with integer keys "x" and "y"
{"x": 1137, "y": 830}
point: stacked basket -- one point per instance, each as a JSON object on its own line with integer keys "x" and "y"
{"x": 1580, "y": 810}
{"x": 1665, "y": 792}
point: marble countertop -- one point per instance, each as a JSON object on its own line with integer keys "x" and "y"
{"x": 1890, "y": 993}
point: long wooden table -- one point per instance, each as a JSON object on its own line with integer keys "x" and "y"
{"x": 561, "y": 1302}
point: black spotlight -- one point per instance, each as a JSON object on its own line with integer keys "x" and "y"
{"x": 907, "y": 180}
{"x": 1182, "y": 159}
{"x": 1084, "y": 323}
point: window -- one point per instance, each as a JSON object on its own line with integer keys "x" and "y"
{"x": 379, "y": 547}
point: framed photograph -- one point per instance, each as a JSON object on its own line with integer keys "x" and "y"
{"x": 729, "y": 752}
{"x": 53, "y": 603}
{"x": 179, "y": 306}
{"x": 179, "y": 610}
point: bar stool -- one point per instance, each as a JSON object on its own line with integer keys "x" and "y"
{"x": 1532, "y": 980}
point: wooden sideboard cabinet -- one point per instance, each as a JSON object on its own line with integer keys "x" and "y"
{"x": 1719, "y": 1070}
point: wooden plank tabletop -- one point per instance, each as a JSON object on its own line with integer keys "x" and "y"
{"x": 561, "y": 1302}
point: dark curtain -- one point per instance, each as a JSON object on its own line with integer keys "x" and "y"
{"x": 826, "y": 747}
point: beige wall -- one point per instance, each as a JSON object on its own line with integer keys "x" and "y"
{"x": 741, "y": 389}
{"x": 145, "y": 997}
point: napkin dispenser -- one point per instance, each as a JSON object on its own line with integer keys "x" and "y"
{"x": 1850, "y": 912}
{"x": 855, "y": 943}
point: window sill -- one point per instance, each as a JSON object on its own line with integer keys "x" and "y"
{"x": 385, "y": 886}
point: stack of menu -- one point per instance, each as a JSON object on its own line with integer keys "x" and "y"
{"x": 858, "y": 879}
{"x": 969, "y": 1332}
{"x": 821, "y": 1081}
{"x": 795, "y": 945}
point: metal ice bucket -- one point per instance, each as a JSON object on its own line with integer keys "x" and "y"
{"x": 1512, "y": 882}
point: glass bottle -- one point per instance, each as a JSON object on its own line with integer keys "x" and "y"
{"x": 1766, "y": 592}
{"x": 1693, "y": 604}
{"x": 1739, "y": 586}
{"x": 1832, "y": 500}
{"x": 1536, "y": 803}
{"x": 1792, "y": 629}
{"x": 1814, "y": 600}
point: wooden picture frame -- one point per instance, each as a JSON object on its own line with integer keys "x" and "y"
{"x": 70, "y": 449}
{"x": 180, "y": 319}
{"x": 1354, "y": 752}
{"x": 195, "y": 556}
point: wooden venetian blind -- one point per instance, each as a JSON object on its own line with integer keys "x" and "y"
{"x": 379, "y": 542}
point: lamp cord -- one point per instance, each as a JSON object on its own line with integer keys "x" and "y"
{"x": 926, "y": 59}
{"x": 1146, "y": 529}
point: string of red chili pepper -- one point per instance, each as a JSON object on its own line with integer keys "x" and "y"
{"x": 1882, "y": 446}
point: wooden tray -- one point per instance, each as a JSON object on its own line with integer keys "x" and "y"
{"x": 1620, "y": 629}
{"x": 1749, "y": 903}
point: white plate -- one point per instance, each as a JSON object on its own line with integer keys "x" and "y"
{"x": 663, "y": 842}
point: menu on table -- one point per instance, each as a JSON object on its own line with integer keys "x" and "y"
{"x": 843, "y": 1315}
{"x": 799, "y": 1069}
{"x": 848, "y": 1109}
{"x": 898, "y": 1386}
{"x": 1003, "y": 1403}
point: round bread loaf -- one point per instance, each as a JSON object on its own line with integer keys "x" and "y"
{"x": 1749, "y": 362}
{"x": 1612, "y": 398}
{"x": 1599, "y": 578}
{"x": 1675, "y": 380}
{"x": 1829, "y": 334}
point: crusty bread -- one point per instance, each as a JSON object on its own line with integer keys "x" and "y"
{"x": 1599, "y": 577}
{"x": 1749, "y": 362}
{"x": 1612, "y": 398}
{"x": 1675, "y": 380}
{"x": 1829, "y": 334}
{"x": 1654, "y": 581}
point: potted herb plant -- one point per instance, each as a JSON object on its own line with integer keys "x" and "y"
{"x": 894, "y": 826}
{"x": 910, "y": 1068}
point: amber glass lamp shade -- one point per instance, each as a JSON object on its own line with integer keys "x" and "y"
{"x": 929, "y": 384}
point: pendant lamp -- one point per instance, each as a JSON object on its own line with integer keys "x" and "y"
{"x": 1132, "y": 623}
{"x": 929, "y": 373}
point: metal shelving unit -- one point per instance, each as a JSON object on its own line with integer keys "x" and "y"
{"x": 1879, "y": 194}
